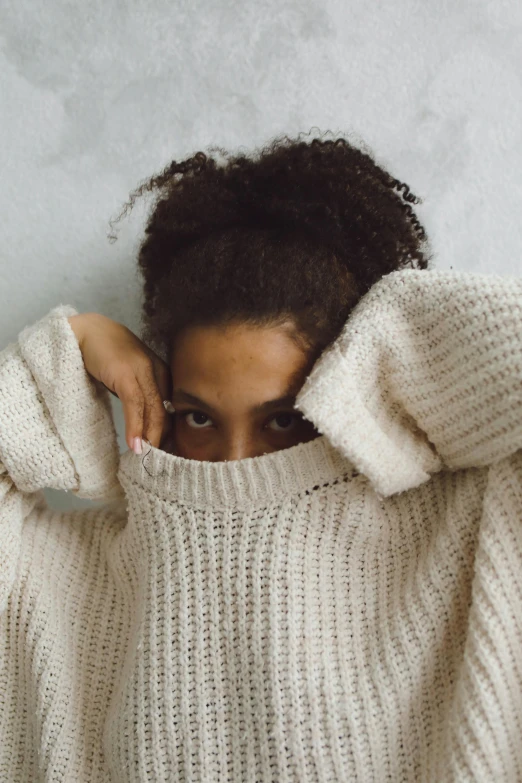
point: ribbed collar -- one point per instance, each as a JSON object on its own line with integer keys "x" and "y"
{"x": 246, "y": 482}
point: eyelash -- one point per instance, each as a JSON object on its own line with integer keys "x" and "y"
{"x": 184, "y": 415}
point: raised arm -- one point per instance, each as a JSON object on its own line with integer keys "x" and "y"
{"x": 426, "y": 375}
{"x": 56, "y": 429}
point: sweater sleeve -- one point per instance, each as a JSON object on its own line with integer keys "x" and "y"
{"x": 56, "y": 430}
{"x": 426, "y": 374}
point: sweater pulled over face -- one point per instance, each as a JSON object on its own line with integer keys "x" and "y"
{"x": 349, "y": 609}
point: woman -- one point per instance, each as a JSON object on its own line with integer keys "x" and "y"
{"x": 312, "y": 570}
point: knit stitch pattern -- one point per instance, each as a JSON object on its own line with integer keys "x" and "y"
{"x": 349, "y": 609}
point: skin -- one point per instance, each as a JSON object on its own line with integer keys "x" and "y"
{"x": 221, "y": 375}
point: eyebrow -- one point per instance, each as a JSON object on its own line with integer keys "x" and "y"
{"x": 180, "y": 395}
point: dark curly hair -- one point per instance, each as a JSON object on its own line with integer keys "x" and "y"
{"x": 299, "y": 230}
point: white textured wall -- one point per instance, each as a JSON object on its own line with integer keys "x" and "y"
{"x": 96, "y": 96}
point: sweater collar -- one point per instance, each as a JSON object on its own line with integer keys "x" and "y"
{"x": 256, "y": 480}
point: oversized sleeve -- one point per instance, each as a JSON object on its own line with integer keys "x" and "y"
{"x": 56, "y": 430}
{"x": 425, "y": 375}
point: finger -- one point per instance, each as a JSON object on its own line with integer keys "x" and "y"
{"x": 167, "y": 427}
{"x": 131, "y": 396}
{"x": 154, "y": 414}
{"x": 163, "y": 377}
{"x": 168, "y": 442}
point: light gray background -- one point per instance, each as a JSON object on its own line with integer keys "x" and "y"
{"x": 96, "y": 96}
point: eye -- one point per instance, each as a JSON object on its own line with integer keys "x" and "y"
{"x": 284, "y": 422}
{"x": 197, "y": 420}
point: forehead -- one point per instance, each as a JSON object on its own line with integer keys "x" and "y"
{"x": 238, "y": 361}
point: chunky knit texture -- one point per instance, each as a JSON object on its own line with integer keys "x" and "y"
{"x": 349, "y": 609}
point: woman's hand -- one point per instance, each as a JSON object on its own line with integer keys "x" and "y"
{"x": 116, "y": 357}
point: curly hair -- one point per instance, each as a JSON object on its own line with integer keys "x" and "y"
{"x": 298, "y": 231}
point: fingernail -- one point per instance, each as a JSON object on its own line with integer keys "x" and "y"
{"x": 136, "y": 445}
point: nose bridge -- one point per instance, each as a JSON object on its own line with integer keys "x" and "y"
{"x": 237, "y": 444}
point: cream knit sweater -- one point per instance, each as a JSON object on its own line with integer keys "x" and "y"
{"x": 349, "y": 609}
